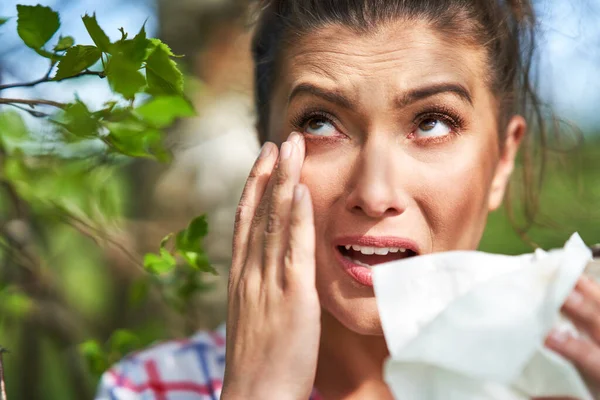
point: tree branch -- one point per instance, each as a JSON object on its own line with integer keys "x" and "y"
{"x": 33, "y": 103}
{"x": 46, "y": 78}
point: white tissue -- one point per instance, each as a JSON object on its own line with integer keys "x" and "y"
{"x": 468, "y": 325}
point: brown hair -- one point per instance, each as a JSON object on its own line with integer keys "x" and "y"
{"x": 505, "y": 28}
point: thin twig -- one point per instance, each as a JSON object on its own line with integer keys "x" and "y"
{"x": 33, "y": 113}
{"x": 33, "y": 103}
{"x": 46, "y": 78}
{"x": 87, "y": 229}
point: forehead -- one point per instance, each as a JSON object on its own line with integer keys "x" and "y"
{"x": 401, "y": 54}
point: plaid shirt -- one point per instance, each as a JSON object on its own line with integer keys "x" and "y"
{"x": 177, "y": 370}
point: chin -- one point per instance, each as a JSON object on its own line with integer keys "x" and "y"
{"x": 359, "y": 315}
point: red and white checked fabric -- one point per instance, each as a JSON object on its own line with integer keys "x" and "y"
{"x": 189, "y": 369}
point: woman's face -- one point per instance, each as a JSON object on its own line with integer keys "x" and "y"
{"x": 402, "y": 151}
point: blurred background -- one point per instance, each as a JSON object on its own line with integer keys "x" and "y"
{"x": 91, "y": 290}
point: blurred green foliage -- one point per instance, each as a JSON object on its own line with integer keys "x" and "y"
{"x": 63, "y": 194}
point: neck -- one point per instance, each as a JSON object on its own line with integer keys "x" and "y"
{"x": 350, "y": 365}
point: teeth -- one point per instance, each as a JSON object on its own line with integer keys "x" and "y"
{"x": 382, "y": 251}
{"x": 367, "y": 250}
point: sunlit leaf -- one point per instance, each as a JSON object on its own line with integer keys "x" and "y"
{"x": 36, "y": 24}
{"x": 155, "y": 42}
{"x": 77, "y": 59}
{"x": 96, "y": 33}
{"x": 163, "y": 110}
{"x": 157, "y": 265}
{"x": 64, "y": 43}
{"x": 164, "y": 78}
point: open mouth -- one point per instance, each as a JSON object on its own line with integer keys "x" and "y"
{"x": 367, "y": 256}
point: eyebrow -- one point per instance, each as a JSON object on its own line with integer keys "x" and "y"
{"x": 336, "y": 97}
{"x": 432, "y": 90}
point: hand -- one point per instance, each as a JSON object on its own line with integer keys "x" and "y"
{"x": 582, "y": 307}
{"x": 273, "y": 321}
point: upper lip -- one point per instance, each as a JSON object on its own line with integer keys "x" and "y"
{"x": 378, "y": 241}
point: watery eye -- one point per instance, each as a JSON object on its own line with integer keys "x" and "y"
{"x": 320, "y": 127}
{"x": 432, "y": 127}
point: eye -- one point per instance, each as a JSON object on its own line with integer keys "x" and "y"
{"x": 319, "y": 126}
{"x": 432, "y": 127}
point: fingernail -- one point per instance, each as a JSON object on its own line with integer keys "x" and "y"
{"x": 265, "y": 150}
{"x": 557, "y": 336}
{"x": 298, "y": 193}
{"x": 575, "y": 298}
{"x": 294, "y": 137}
{"x": 286, "y": 150}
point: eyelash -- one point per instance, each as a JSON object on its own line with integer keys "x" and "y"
{"x": 299, "y": 122}
{"x": 442, "y": 113}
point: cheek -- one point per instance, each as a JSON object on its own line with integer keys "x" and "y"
{"x": 454, "y": 198}
{"x": 324, "y": 176}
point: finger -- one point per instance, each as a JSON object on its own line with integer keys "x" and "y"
{"x": 299, "y": 266}
{"x": 286, "y": 178}
{"x": 584, "y": 312}
{"x": 582, "y": 352}
{"x": 589, "y": 288}
{"x": 252, "y": 194}
{"x": 260, "y": 220}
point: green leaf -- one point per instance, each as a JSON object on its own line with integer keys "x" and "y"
{"x": 197, "y": 229}
{"x": 78, "y": 120}
{"x": 36, "y": 24}
{"x": 190, "y": 238}
{"x": 138, "y": 292}
{"x": 135, "y": 139}
{"x": 12, "y": 129}
{"x": 77, "y": 59}
{"x": 157, "y": 42}
{"x": 156, "y": 264}
{"x": 124, "y": 77}
{"x": 95, "y": 355}
{"x": 64, "y": 43}
{"x": 165, "y": 240}
{"x": 133, "y": 50}
{"x": 3, "y": 21}
{"x": 124, "y": 341}
{"x": 164, "y": 78}
{"x": 163, "y": 110}
{"x": 199, "y": 261}
{"x": 17, "y": 304}
{"x": 96, "y": 33}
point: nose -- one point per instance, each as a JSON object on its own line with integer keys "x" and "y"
{"x": 376, "y": 188}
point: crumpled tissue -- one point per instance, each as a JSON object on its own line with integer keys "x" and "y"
{"x": 468, "y": 325}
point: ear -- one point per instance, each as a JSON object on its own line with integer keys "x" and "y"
{"x": 515, "y": 131}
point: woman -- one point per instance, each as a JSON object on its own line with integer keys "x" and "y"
{"x": 405, "y": 119}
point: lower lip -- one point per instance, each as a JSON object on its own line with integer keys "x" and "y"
{"x": 360, "y": 274}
